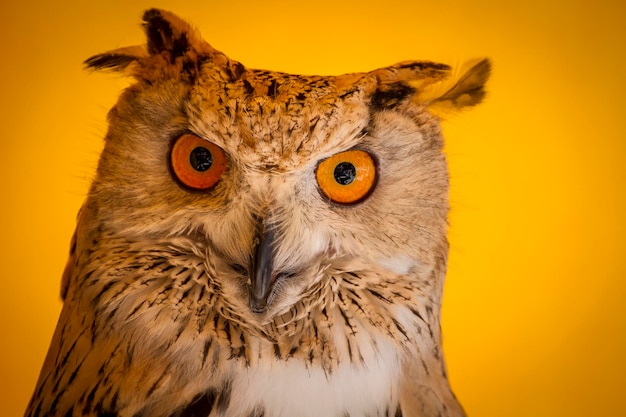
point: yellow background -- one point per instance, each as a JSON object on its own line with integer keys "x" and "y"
{"x": 534, "y": 318}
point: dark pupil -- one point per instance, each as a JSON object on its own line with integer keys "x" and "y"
{"x": 201, "y": 159}
{"x": 345, "y": 173}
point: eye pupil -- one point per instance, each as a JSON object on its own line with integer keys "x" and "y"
{"x": 345, "y": 173}
{"x": 201, "y": 159}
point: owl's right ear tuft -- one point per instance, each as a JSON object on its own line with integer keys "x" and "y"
{"x": 170, "y": 40}
{"x": 174, "y": 49}
{"x": 117, "y": 60}
{"x": 167, "y": 32}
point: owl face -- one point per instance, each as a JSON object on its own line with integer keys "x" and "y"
{"x": 274, "y": 157}
{"x": 275, "y": 178}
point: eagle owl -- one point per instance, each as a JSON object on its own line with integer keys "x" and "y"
{"x": 257, "y": 243}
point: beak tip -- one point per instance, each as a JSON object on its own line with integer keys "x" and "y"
{"x": 258, "y": 306}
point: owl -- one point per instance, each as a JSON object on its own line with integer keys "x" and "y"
{"x": 259, "y": 244}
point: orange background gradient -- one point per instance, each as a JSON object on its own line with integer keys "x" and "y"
{"x": 534, "y": 318}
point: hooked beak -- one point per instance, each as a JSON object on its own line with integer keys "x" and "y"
{"x": 262, "y": 272}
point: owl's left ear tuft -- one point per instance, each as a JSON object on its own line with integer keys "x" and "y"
{"x": 463, "y": 88}
{"x": 397, "y": 83}
{"x": 390, "y": 95}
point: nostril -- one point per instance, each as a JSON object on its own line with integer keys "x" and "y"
{"x": 239, "y": 269}
{"x": 285, "y": 275}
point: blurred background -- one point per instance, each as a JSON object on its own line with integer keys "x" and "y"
{"x": 534, "y": 318}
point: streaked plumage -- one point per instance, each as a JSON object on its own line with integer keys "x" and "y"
{"x": 258, "y": 295}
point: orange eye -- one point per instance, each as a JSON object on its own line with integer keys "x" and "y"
{"x": 346, "y": 177}
{"x": 197, "y": 163}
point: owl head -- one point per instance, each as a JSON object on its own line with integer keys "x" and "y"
{"x": 280, "y": 184}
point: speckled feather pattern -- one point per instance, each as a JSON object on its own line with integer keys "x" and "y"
{"x": 156, "y": 318}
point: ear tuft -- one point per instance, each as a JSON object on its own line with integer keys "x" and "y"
{"x": 397, "y": 83}
{"x": 117, "y": 60}
{"x": 166, "y": 32}
{"x": 173, "y": 48}
{"x": 389, "y": 96}
{"x": 413, "y": 72}
{"x": 470, "y": 88}
{"x": 465, "y": 88}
